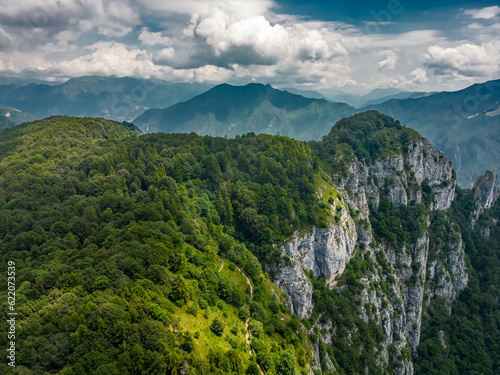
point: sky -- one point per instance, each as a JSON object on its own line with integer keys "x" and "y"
{"x": 354, "y": 46}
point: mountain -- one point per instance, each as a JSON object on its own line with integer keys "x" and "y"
{"x": 23, "y": 81}
{"x": 305, "y": 93}
{"x": 11, "y": 116}
{"x": 463, "y": 124}
{"x": 400, "y": 95}
{"x": 358, "y": 101}
{"x": 187, "y": 254}
{"x": 229, "y": 110}
{"x": 120, "y": 99}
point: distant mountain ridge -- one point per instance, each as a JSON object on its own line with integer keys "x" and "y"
{"x": 373, "y": 97}
{"x": 121, "y": 99}
{"x": 12, "y": 116}
{"x": 464, "y": 124}
{"x": 305, "y": 93}
{"x": 227, "y": 110}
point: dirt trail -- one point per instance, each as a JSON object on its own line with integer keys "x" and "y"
{"x": 247, "y": 335}
{"x": 222, "y": 265}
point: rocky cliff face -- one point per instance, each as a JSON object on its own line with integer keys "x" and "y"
{"x": 422, "y": 174}
{"x": 485, "y": 192}
{"x": 404, "y": 179}
{"x": 325, "y": 251}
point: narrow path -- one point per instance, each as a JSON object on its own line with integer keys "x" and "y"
{"x": 247, "y": 336}
{"x": 222, "y": 264}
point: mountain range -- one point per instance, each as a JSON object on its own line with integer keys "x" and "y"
{"x": 374, "y": 96}
{"x": 464, "y": 124}
{"x": 121, "y": 99}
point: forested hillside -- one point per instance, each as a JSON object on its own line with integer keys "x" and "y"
{"x": 116, "y": 241}
{"x": 132, "y": 252}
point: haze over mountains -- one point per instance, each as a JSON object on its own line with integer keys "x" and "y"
{"x": 373, "y": 97}
{"x": 120, "y": 99}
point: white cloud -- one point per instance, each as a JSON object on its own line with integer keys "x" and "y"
{"x": 224, "y": 38}
{"x": 239, "y": 8}
{"x": 468, "y": 60}
{"x": 165, "y": 56}
{"x": 114, "y": 29}
{"x": 153, "y": 38}
{"x": 109, "y": 58}
{"x": 236, "y": 41}
{"x": 484, "y": 13}
{"x": 389, "y": 62}
{"x": 419, "y": 76}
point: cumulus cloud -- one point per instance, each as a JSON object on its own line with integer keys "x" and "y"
{"x": 419, "y": 76}
{"x": 165, "y": 56}
{"x": 484, "y": 13}
{"x": 240, "y": 8}
{"x": 221, "y": 38}
{"x": 468, "y": 60}
{"x": 41, "y": 21}
{"x": 153, "y": 38}
{"x": 235, "y": 41}
{"x": 389, "y": 62}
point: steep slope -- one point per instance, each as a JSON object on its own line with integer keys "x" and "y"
{"x": 465, "y": 125}
{"x": 380, "y": 254}
{"x": 11, "y": 116}
{"x": 232, "y": 110}
{"x": 464, "y": 337}
{"x": 114, "y": 98}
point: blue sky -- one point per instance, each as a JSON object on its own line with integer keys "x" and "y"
{"x": 352, "y": 45}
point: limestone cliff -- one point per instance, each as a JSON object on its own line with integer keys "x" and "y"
{"x": 325, "y": 251}
{"x": 485, "y": 192}
{"x": 418, "y": 174}
{"x": 406, "y": 179}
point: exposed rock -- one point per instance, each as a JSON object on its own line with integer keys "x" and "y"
{"x": 456, "y": 262}
{"x": 323, "y": 251}
{"x": 330, "y": 367}
{"x": 441, "y": 339}
{"x": 486, "y": 189}
{"x": 485, "y": 232}
{"x": 485, "y": 192}
{"x": 404, "y": 179}
{"x": 292, "y": 280}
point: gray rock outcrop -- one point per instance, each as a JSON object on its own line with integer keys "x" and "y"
{"x": 325, "y": 251}
{"x": 486, "y": 192}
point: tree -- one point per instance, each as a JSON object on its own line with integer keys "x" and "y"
{"x": 287, "y": 365}
{"x": 217, "y": 326}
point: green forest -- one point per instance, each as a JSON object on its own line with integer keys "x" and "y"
{"x": 132, "y": 251}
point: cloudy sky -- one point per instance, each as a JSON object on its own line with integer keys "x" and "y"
{"x": 351, "y": 45}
